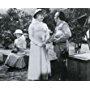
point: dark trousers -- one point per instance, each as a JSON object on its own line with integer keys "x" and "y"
{"x": 62, "y": 56}
{"x": 62, "y": 69}
{"x": 54, "y": 70}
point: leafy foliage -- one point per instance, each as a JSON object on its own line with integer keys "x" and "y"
{"x": 14, "y": 19}
{"x": 18, "y": 19}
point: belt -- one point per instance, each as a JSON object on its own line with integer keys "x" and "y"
{"x": 59, "y": 43}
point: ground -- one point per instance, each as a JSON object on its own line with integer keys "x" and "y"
{"x": 16, "y": 75}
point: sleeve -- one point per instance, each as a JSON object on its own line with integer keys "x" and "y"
{"x": 15, "y": 43}
{"x": 24, "y": 44}
{"x": 66, "y": 30}
{"x": 31, "y": 35}
{"x": 21, "y": 45}
{"x": 47, "y": 33}
{"x": 66, "y": 33}
{"x": 30, "y": 31}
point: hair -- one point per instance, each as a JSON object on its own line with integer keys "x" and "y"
{"x": 62, "y": 16}
{"x": 40, "y": 12}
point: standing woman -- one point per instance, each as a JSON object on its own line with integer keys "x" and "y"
{"x": 39, "y": 65}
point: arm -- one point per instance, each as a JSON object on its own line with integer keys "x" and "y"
{"x": 67, "y": 33}
{"x": 31, "y": 34}
{"x": 48, "y": 31}
{"x": 20, "y": 44}
{"x": 48, "y": 36}
{"x": 66, "y": 30}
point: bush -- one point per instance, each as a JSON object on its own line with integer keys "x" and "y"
{"x": 14, "y": 19}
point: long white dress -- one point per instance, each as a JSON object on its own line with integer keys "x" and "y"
{"x": 38, "y": 61}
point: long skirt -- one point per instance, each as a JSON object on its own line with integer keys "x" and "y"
{"x": 38, "y": 63}
{"x": 15, "y": 60}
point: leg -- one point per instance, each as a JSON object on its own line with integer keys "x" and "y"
{"x": 62, "y": 63}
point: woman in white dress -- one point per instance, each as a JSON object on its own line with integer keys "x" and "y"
{"x": 39, "y": 65}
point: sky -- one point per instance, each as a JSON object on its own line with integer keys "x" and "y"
{"x": 27, "y": 10}
{"x": 3, "y": 10}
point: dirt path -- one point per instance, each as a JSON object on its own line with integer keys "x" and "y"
{"x": 16, "y": 75}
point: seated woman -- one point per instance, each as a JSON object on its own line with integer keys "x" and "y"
{"x": 15, "y": 59}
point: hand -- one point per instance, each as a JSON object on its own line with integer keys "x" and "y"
{"x": 15, "y": 50}
{"x": 57, "y": 40}
{"x": 43, "y": 44}
{"x": 54, "y": 39}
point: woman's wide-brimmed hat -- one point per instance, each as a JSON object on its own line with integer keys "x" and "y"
{"x": 37, "y": 11}
{"x": 19, "y": 31}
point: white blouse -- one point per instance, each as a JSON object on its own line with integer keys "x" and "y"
{"x": 20, "y": 42}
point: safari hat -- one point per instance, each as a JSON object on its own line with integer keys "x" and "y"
{"x": 18, "y": 31}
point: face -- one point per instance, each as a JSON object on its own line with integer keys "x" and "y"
{"x": 18, "y": 35}
{"x": 40, "y": 17}
{"x": 56, "y": 16}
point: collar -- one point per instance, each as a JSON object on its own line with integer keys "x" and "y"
{"x": 59, "y": 22}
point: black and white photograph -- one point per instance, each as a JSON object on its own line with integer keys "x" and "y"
{"x": 44, "y": 44}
